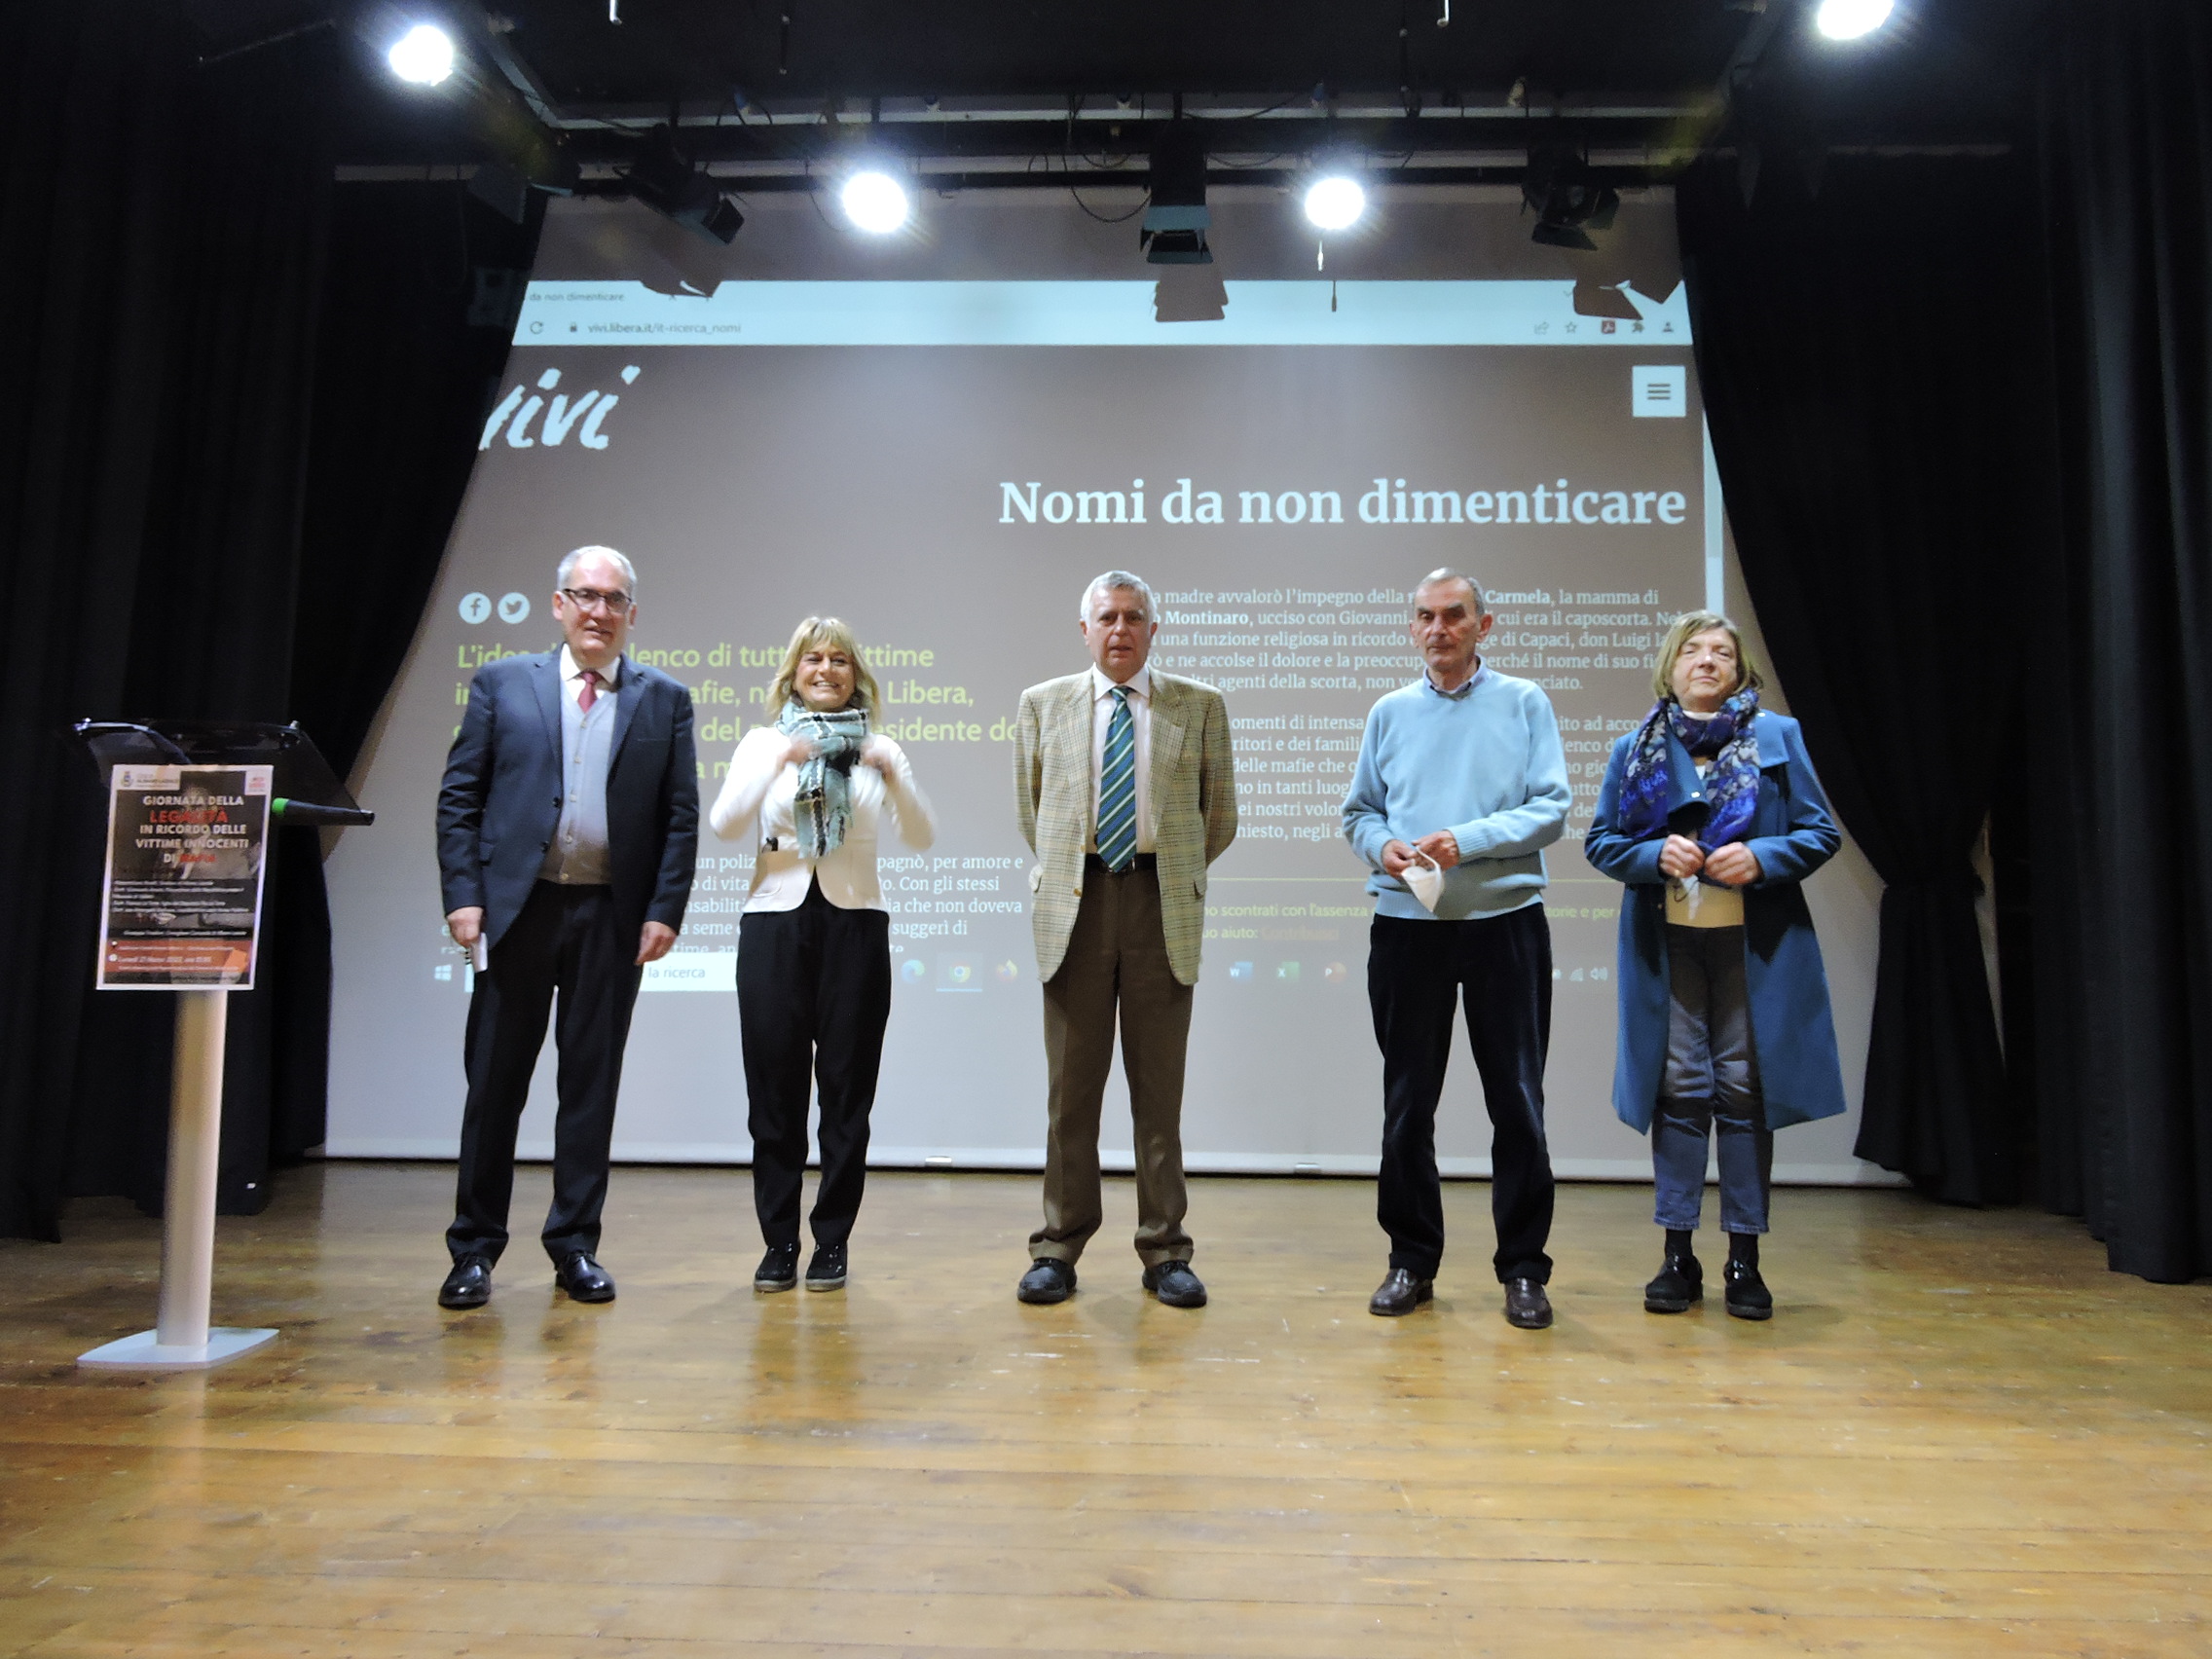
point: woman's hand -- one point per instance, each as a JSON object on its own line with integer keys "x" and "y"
{"x": 1682, "y": 858}
{"x": 798, "y": 752}
{"x": 881, "y": 753}
{"x": 1733, "y": 866}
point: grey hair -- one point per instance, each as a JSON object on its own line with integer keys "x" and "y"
{"x": 1445, "y": 573}
{"x": 1108, "y": 580}
{"x": 571, "y": 561}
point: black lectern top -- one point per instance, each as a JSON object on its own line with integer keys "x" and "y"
{"x": 307, "y": 790}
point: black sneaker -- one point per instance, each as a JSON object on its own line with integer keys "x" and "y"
{"x": 826, "y": 1271}
{"x": 1747, "y": 1295}
{"x": 1175, "y": 1284}
{"x": 1681, "y": 1284}
{"x": 778, "y": 1269}
{"x": 1048, "y": 1279}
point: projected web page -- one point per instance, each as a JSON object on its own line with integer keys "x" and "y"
{"x": 944, "y": 461}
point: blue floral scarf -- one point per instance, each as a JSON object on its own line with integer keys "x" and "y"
{"x": 823, "y": 805}
{"x": 1732, "y": 784}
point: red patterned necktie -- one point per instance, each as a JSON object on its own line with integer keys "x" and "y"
{"x": 590, "y": 693}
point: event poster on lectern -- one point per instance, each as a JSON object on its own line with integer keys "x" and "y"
{"x": 941, "y": 438}
{"x": 181, "y": 905}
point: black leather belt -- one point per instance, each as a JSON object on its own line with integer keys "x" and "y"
{"x": 1092, "y": 863}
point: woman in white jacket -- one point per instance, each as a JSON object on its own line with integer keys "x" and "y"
{"x": 814, "y": 944}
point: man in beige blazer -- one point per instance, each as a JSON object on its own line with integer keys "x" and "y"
{"x": 1127, "y": 791}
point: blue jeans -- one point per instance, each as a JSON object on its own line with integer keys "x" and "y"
{"x": 1711, "y": 1085}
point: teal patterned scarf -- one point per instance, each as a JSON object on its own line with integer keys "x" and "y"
{"x": 823, "y": 805}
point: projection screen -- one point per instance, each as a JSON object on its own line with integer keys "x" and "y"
{"x": 940, "y": 437}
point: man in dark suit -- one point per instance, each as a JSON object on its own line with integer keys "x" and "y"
{"x": 566, "y": 827}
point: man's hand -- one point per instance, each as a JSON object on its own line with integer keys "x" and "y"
{"x": 467, "y": 925}
{"x": 654, "y": 944}
{"x": 1733, "y": 866}
{"x": 1681, "y": 858}
{"x": 1397, "y": 857}
{"x": 1441, "y": 848}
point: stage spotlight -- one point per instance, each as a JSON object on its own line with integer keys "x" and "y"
{"x": 423, "y": 55}
{"x": 665, "y": 182}
{"x": 1848, "y": 20}
{"x": 1176, "y": 221}
{"x": 874, "y": 201}
{"x": 1335, "y": 203}
{"x": 1568, "y": 198}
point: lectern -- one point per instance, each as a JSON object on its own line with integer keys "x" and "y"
{"x": 190, "y": 806}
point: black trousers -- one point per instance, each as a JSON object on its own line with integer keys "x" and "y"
{"x": 812, "y": 998}
{"x": 566, "y": 941}
{"x": 1501, "y": 968}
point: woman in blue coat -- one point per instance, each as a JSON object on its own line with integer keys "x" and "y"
{"x": 1712, "y": 816}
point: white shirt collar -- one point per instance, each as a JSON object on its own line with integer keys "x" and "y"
{"x": 1139, "y": 683}
{"x": 1473, "y": 680}
{"x": 608, "y": 677}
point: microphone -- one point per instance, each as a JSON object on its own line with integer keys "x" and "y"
{"x": 316, "y": 817}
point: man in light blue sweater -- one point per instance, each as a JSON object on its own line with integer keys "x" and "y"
{"x": 1462, "y": 783}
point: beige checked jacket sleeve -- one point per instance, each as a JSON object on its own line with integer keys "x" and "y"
{"x": 1193, "y": 798}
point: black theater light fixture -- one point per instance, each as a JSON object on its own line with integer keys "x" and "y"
{"x": 662, "y": 179}
{"x": 1175, "y": 220}
{"x": 1567, "y": 195}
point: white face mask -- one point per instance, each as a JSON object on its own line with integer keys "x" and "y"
{"x": 1427, "y": 880}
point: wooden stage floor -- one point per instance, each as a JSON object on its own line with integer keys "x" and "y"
{"x": 1960, "y": 1435}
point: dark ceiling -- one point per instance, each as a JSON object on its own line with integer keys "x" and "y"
{"x": 767, "y": 88}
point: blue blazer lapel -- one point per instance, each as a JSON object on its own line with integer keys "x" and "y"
{"x": 1774, "y": 750}
{"x": 630, "y": 691}
{"x": 545, "y": 680}
{"x": 1685, "y": 790}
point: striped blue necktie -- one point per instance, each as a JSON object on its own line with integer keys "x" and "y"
{"x": 1117, "y": 787}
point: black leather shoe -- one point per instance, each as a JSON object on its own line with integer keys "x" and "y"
{"x": 584, "y": 1279}
{"x": 1048, "y": 1279}
{"x": 1747, "y": 1292}
{"x": 1680, "y": 1282}
{"x": 778, "y": 1269}
{"x": 468, "y": 1285}
{"x": 1175, "y": 1284}
{"x": 826, "y": 1271}
{"x": 1527, "y": 1306}
{"x": 1400, "y": 1293}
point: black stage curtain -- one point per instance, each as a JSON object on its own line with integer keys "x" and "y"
{"x": 161, "y": 237}
{"x": 1870, "y": 364}
{"x": 228, "y": 466}
{"x": 2121, "y": 826}
{"x": 408, "y": 369}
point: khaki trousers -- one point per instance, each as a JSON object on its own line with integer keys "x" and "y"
{"x": 1116, "y": 972}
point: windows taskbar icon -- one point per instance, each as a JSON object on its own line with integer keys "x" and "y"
{"x": 960, "y": 973}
